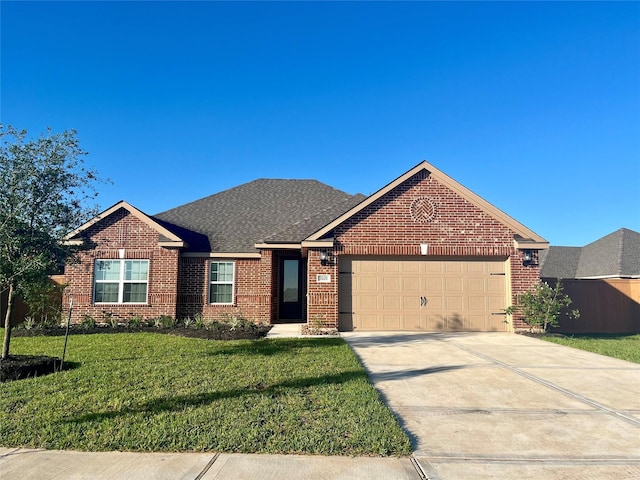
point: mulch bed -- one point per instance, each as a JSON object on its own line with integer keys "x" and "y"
{"x": 24, "y": 366}
{"x": 220, "y": 332}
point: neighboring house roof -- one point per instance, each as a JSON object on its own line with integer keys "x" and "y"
{"x": 523, "y": 237}
{"x": 165, "y": 236}
{"x": 616, "y": 255}
{"x": 264, "y": 210}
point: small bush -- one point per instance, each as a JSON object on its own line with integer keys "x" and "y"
{"x": 541, "y": 306}
{"x": 29, "y": 323}
{"x": 187, "y": 322}
{"x": 88, "y": 322}
{"x": 135, "y": 322}
{"x": 237, "y": 321}
{"x": 110, "y": 319}
{"x": 198, "y": 321}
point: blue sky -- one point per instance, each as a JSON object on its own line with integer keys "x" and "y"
{"x": 533, "y": 106}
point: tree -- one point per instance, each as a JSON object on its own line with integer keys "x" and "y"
{"x": 45, "y": 192}
{"x": 541, "y": 306}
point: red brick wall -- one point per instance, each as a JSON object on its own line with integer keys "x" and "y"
{"x": 252, "y": 289}
{"x": 386, "y": 227}
{"x": 322, "y": 298}
{"x": 121, "y": 230}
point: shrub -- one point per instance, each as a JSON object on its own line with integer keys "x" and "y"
{"x": 198, "y": 321}
{"x": 110, "y": 319}
{"x": 541, "y": 306}
{"x": 135, "y": 321}
{"x": 187, "y": 322}
{"x": 164, "y": 321}
{"x": 29, "y": 323}
{"x": 88, "y": 322}
{"x": 237, "y": 321}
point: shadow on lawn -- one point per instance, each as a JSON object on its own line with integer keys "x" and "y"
{"x": 169, "y": 404}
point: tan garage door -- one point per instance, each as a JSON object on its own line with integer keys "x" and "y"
{"x": 412, "y": 293}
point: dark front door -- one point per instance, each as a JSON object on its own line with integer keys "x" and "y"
{"x": 291, "y": 294}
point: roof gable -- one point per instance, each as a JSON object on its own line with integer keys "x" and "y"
{"x": 166, "y": 237}
{"x": 524, "y": 237}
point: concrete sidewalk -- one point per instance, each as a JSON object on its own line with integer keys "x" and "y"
{"x": 24, "y": 464}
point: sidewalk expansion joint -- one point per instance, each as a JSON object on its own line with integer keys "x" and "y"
{"x": 207, "y": 466}
{"x": 531, "y": 460}
{"x": 431, "y": 473}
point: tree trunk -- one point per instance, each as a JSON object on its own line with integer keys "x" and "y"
{"x": 7, "y": 322}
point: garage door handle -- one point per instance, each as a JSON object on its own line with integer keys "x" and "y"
{"x": 423, "y": 301}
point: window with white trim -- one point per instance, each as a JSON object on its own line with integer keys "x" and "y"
{"x": 221, "y": 278}
{"x": 121, "y": 281}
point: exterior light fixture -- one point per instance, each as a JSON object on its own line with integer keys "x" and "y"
{"x": 324, "y": 257}
{"x": 529, "y": 258}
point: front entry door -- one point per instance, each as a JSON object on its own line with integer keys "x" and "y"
{"x": 291, "y": 294}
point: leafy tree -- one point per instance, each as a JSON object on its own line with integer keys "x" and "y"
{"x": 541, "y": 306}
{"x": 45, "y": 192}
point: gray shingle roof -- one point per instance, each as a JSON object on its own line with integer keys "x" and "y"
{"x": 614, "y": 255}
{"x": 234, "y": 220}
{"x": 559, "y": 262}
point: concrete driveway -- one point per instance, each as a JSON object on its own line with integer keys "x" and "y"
{"x": 505, "y": 406}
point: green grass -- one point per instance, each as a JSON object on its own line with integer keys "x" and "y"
{"x": 153, "y": 392}
{"x": 625, "y": 347}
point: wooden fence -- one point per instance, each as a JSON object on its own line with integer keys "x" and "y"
{"x": 606, "y": 306}
{"x": 20, "y": 308}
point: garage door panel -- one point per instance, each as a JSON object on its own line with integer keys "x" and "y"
{"x": 411, "y": 303}
{"x": 454, "y": 304}
{"x": 393, "y": 284}
{"x": 391, "y": 322}
{"x": 412, "y": 322}
{"x": 495, "y": 284}
{"x": 414, "y": 293}
{"x": 367, "y": 302}
{"x": 411, "y": 284}
{"x": 434, "y": 304}
{"x": 436, "y": 323}
{"x": 410, "y": 267}
{"x": 434, "y": 267}
{"x": 453, "y": 284}
{"x": 453, "y": 267}
{"x": 475, "y": 267}
{"x": 434, "y": 284}
{"x": 391, "y": 302}
{"x": 477, "y": 322}
{"x": 477, "y": 303}
{"x": 476, "y": 284}
{"x": 390, "y": 266}
{"x": 496, "y": 304}
{"x": 367, "y": 284}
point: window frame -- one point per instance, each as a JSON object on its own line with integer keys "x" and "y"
{"x": 218, "y": 282}
{"x": 121, "y": 282}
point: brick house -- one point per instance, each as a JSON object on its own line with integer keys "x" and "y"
{"x": 422, "y": 253}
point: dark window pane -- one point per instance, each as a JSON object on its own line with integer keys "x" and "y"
{"x": 134, "y": 293}
{"x": 106, "y": 293}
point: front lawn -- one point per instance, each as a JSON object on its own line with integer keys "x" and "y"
{"x": 625, "y": 347}
{"x": 154, "y": 392}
